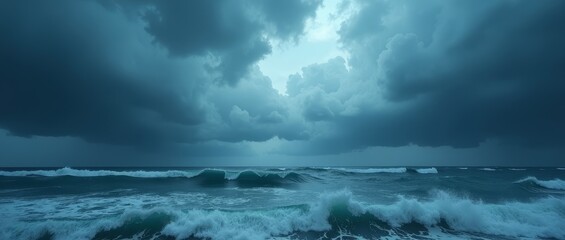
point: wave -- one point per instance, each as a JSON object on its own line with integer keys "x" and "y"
{"x": 358, "y": 170}
{"x": 248, "y": 178}
{"x": 556, "y": 184}
{"x": 332, "y": 215}
{"x": 426, "y": 170}
{"x": 212, "y": 176}
{"x": 66, "y": 171}
{"x": 277, "y": 169}
{"x": 559, "y": 168}
{"x": 487, "y": 169}
{"x": 372, "y": 170}
{"x": 517, "y": 169}
{"x": 341, "y": 211}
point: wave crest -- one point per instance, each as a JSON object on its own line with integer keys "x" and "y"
{"x": 246, "y": 178}
{"x": 487, "y": 169}
{"x": 556, "y": 184}
{"x": 67, "y": 171}
{"x": 431, "y": 170}
{"x": 326, "y": 217}
{"x": 369, "y": 170}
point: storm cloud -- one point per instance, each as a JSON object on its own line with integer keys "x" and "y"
{"x": 181, "y": 78}
{"x": 131, "y": 72}
{"x": 441, "y": 73}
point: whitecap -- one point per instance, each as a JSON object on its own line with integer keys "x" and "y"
{"x": 427, "y": 170}
{"x": 556, "y": 184}
{"x": 66, "y": 171}
{"x": 541, "y": 218}
{"x": 371, "y": 170}
{"x": 487, "y": 169}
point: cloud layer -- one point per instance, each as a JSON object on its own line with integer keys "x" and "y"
{"x": 183, "y": 75}
{"x": 441, "y": 74}
{"x": 140, "y": 72}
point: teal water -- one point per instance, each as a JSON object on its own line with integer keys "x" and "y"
{"x": 283, "y": 203}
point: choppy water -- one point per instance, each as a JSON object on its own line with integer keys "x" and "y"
{"x": 283, "y": 203}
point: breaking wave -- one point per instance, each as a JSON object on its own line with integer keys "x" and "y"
{"x": 487, "y": 169}
{"x": 358, "y": 170}
{"x": 66, "y": 171}
{"x": 370, "y": 170}
{"x": 251, "y": 178}
{"x": 556, "y": 184}
{"x": 207, "y": 176}
{"x": 332, "y": 215}
{"x": 425, "y": 170}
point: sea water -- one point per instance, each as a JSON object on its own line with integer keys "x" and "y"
{"x": 283, "y": 203}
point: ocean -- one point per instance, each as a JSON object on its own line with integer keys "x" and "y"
{"x": 283, "y": 203}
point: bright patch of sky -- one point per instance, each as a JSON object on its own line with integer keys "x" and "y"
{"x": 319, "y": 44}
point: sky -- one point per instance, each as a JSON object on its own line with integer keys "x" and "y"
{"x": 282, "y": 83}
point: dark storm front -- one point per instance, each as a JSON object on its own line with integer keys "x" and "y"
{"x": 285, "y": 203}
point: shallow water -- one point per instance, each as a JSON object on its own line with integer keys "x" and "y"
{"x": 283, "y": 203}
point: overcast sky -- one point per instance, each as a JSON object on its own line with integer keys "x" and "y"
{"x": 294, "y": 82}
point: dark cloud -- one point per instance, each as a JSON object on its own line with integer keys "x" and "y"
{"x": 195, "y": 27}
{"x": 286, "y": 19}
{"x": 220, "y": 28}
{"x": 236, "y": 33}
{"x": 71, "y": 68}
{"x": 98, "y": 70}
{"x": 180, "y": 78}
{"x": 447, "y": 74}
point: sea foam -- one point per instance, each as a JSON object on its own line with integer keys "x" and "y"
{"x": 556, "y": 184}
{"x": 205, "y": 173}
{"x": 541, "y": 218}
{"x": 66, "y": 171}
{"x": 370, "y": 170}
{"x": 487, "y": 169}
{"x": 426, "y": 170}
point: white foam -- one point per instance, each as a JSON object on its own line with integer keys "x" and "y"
{"x": 537, "y": 219}
{"x": 260, "y": 173}
{"x": 559, "y": 168}
{"x": 487, "y": 169}
{"x": 427, "y": 170}
{"x": 372, "y": 170}
{"x": 463, "y": 168}
{"x": 228, "y": 175}
{"x": 66, "y": 171}
{"x": 542, "y": 218}
{"x": 556, "y": 184}
{"x": 517, "y": 169}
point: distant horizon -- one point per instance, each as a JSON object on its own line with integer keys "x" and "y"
{"x": 303, "y": 166}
